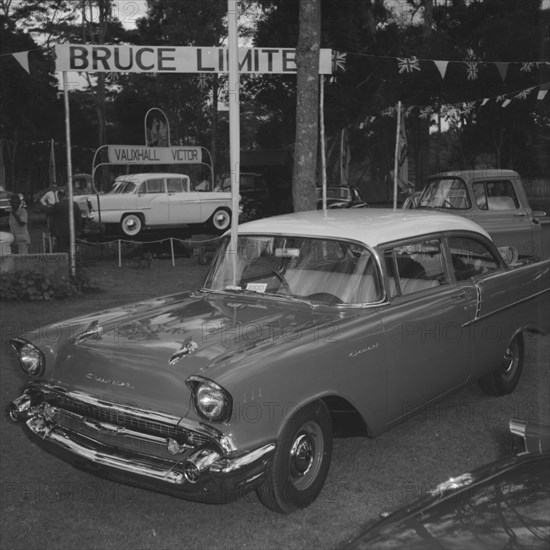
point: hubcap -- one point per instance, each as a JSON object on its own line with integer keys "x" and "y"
{"x": 306, "y": 455}
{"x": 510, "y": 362}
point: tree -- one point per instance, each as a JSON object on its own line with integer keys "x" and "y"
{"x": 307, "y": 106}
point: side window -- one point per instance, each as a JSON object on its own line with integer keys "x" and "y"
{"x": 419, "y": 266}
{"x": 471, "y": 257}
{"x": 155, "y": 185}
{"x": 175, "y": 185}
{"x": 479, "y": 194}
{"x": 501, "y": 195}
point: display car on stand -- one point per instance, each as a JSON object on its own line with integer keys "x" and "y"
{"x": 309, "y": 323}
{"x": 139, "y": 202}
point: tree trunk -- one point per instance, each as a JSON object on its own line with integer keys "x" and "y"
{"x": 307, "y": 106}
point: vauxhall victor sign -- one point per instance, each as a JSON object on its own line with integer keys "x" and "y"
{"x": 141, "y": 154}
{"x": 178, "y": 59}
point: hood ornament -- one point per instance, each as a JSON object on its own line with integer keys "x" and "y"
{"x": 185, "y": 349}
{"x": 93, "y": 330}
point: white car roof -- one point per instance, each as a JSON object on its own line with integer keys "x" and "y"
{"x": 372, "y": 226}
{"x": 142, "y": 177}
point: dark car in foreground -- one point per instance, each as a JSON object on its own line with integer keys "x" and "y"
{"x": 505, "y": 504}
{"x": 308, "y": 323}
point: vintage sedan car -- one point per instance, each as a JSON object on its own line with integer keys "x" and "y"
{"x": 504, "y": 504}
{"x": 156, "y": 201}
{"x": 256, "y": 199}
{"x": 310, "y": 324}
{"x": 341, "y": 197}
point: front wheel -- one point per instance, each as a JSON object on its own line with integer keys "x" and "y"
{"x": 221, "y": 219}
{"x": 301, "y": 462}
{"x": 131, "y": 225}
{"x": 505, "y": 379}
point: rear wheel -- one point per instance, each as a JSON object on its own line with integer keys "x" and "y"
{"x": 220, "y": 220}
{"x": 506, "y": 378}
{"x": 301, "y": 462}
{"x": 131, "y": 224}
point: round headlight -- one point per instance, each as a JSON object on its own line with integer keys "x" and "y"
{"x": 210, "y": 401}
{"x": 31, "y": 360}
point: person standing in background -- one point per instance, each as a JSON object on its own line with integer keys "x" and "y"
{"x": 19, "y": 220}
{"x": 59, "y": 214}
{"x": 47, "y": 201}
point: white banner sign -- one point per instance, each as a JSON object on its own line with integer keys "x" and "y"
{"x": 178, "y": 59}
{"x": 141, "y": 154}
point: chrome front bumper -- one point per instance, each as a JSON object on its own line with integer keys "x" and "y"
{"x": 204, "y": 472}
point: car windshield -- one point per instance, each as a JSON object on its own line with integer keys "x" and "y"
{"x": 322, "y": 271}
{"x": 124, "y": 187}
{"x": 445, "y": 193}
{"x": 341, "y": 193}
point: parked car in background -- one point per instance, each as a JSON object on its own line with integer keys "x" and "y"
{"x": 496, "y": 200}
{"x": 314, "y": 324}
{"x": 505, "y": 504}
{"x": 255, "y": 196}
{"x": 139, "y": 202}
{"x": 341, "y": 197}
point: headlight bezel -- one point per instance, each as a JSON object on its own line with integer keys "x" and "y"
{"x": 202, "y": 389}
{"x": 31, "y": 359}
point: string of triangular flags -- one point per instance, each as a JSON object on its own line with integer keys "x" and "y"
{"x": 471, "y": 67}
{"x": 447, "y": 110}
{"x": 21, "y": 57}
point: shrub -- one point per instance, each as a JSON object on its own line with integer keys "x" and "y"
{"x": 34, "y": 286}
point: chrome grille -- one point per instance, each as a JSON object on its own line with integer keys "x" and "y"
{"x": 124, "y": 419}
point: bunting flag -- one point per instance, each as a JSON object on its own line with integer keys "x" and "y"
{"x": 338, "y": 61}
{"x": 23, "y": 59}
{"x": 447, "y": 111}
{"x": 502, "y": 69}
{"x": 408, "y": 64}
{"x": 441, "y": 67}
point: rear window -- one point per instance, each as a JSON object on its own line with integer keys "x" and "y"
{"x": 495, "y": 195}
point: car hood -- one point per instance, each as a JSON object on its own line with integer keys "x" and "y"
{"x": 503, "y": 504}
{"x": 144, "y": 353}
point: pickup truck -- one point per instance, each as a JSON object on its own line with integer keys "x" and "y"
{"x": 496, "y": 200}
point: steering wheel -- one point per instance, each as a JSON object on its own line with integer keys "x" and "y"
{"x": 272, "y": 270}
{"x": 325, "y": 297}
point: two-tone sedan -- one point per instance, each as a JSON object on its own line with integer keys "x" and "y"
{"x": 156, "y": 201}
{"x": 309, "y": 323}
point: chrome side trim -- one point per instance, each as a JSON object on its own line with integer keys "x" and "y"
{"x": 504, "y": 308}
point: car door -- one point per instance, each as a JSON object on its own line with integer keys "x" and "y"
{"x": 498, "y": 210}
{"x": 427, "y": 348}
{"x": 152, "y": 200}
{"x": 508, "y": 299}
{"x": 184, "y": 202}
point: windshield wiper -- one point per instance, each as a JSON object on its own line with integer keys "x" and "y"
{"x": 240, "y": 290}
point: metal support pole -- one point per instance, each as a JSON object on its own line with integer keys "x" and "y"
{"x": 397, "y": 154}
{"x": 72, "y": 255}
